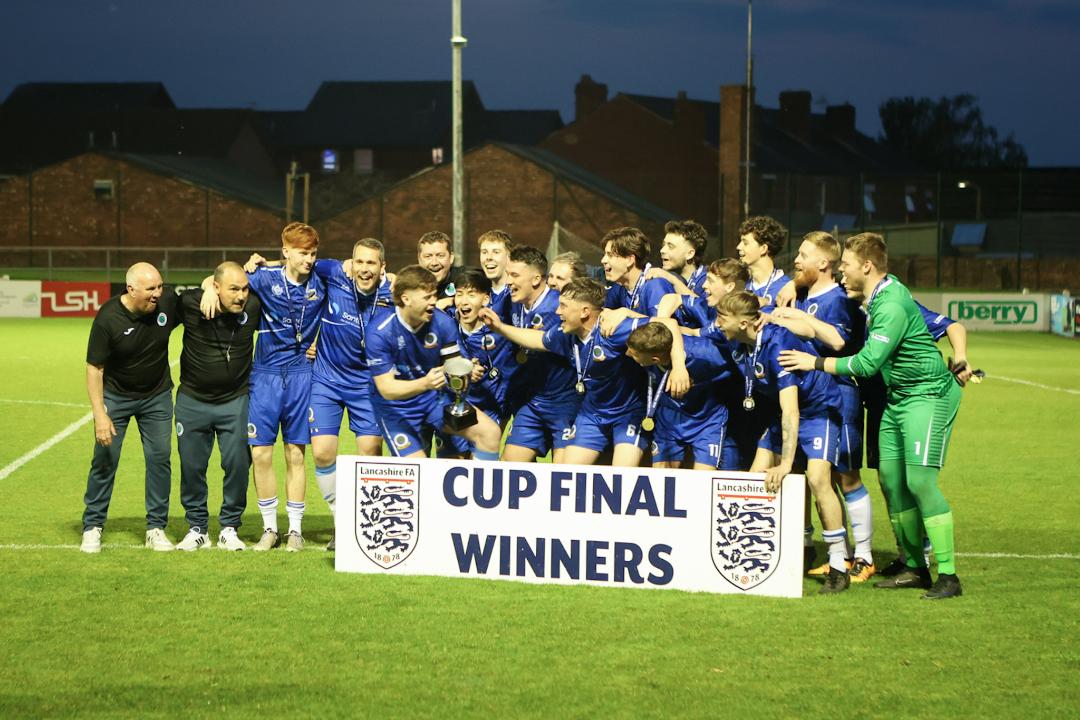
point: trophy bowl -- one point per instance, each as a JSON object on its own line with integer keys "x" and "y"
{"x": 459, "y": 414}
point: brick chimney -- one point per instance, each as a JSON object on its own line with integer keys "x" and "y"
{"x": 795, "y": 112}
{"x": 689, "y": 118}
{"x": 588, "y": 95}
{"x": 840, "y": 120}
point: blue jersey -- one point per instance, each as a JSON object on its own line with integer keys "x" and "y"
{"x": 614, "y": 383}
{"x": 710, "y": 368}
{"x": 696, "y": 283}
{"x": 500, "y": 302}
{"x": 290, "y": 318}
{"x": 763, "y": 374}
{"x": 936, "y": 323}
{"x": 543, "y": 376}
{"x": 393, "y": 346}
{"x": 494, "y": 352}
{"x": 341, "y": 358}
{"x": 694, "y": 312}
{"x": 768, "y": 289}
{"x": 833, "y": 306}
{"x": 643, "y": 298}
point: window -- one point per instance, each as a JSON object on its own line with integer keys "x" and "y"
{"x": 436, "y": 156}
{"x": 329, "y": 161}
{"x": 363, "y": 161}
{"x": 103, "y": 189}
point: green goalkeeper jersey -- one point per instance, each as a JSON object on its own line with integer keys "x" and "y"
{"x": 898, "y": 345}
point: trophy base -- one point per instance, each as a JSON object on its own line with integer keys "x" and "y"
{"x": 459, "y": 422}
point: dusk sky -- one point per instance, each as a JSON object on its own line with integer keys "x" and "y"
{"x": 1019, "y": 57}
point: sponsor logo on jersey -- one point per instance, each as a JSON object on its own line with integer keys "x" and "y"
{"x": 879, "y": 337}
{"x": 387, "y": 512}
{"x": 129, "y": 331}
{"x": 277, "y": 289}
{"x": 745, "y": 538}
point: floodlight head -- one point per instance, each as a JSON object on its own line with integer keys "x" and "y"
{"x": 962, "y": 184}
{"x": 458, "y": 41}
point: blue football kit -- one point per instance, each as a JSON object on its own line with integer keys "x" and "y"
{"x": 643, "y": 298}
{"x": 541, "y": 394}
{"x": 501, "y": 303}
{"x": 410, "y": 353}
{"x": 819, "y": 400}
{"x": 833, "y": 306}
{"x": 768, "y": 288}
{"x": 611, "y": 385}
{"x": 340, "y": 377}
{"x": 698, "y": 421}
{"x": 281, "y": 375}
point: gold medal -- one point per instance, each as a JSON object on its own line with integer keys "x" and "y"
{"x": 522, "y": 357}
{"x": 580, "y": 387}
{"x": 647, "y": 424}
{"x": 748, "y": 404}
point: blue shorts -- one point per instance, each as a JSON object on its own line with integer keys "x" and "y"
{"x": 851, "y": 430}
{"x": 818, "y": 437}
{"x": 744, "y": 431}
{"x": 279, "y": 399}
{"x": 328, "y": 403}
{"x": 594, "y": 433}
{"x": 704, "y": 439}
{"x": 542, "y": 428}
{"x": 407, "y": 428}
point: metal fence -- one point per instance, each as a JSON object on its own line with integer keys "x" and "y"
{"x": 111, "y": 262}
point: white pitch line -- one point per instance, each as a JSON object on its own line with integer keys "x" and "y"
{"x": 43, "y": 402}
{"x": 72, "y": 428}
{"x": 1020, "y": 556}
{"x": 1018, "y": 381}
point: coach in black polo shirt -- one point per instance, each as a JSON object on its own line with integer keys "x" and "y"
{"x": 127, "y": 376}
{"x": 213, "y": 401}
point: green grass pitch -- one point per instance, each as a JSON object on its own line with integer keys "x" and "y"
{"x": 130, "y": 633}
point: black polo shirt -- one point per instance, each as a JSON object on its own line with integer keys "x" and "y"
{"x": 134, "y": 349}
{"x": 216, "y": 359}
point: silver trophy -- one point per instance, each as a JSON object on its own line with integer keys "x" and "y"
{"x": 459, "y": 414}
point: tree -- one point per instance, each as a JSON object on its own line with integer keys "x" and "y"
{"x": 947, "y": 133}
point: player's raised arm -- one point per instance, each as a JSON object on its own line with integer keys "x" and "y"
{"x": 523, "y": 337}
{"x": 806, "y": 326}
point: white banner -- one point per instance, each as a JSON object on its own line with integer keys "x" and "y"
{"x": 570, "y": 524}
{"x": 998, "y": 311}
{"x": 20, "y": 298}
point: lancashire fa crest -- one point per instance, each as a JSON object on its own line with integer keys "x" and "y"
{"x": 387, "y": 511}
{"x": 745, "y": 545}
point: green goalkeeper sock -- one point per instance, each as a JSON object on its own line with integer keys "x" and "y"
{"x": 907, "y": 525}
{"x": 939, "y": 529}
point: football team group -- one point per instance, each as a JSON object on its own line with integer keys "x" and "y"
{"x": 729, "y": 364}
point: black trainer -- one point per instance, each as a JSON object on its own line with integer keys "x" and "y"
{"x": 837, "y": 582}
{"x": 946, "y": 586}
{"x": 893, "y": 569}
{"x": 909, "y": 578}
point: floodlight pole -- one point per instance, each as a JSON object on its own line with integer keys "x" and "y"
{"x": 749, "y": 103}
{"x": 457, "y": 42}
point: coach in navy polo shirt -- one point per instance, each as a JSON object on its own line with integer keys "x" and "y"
{"x": 127, "y": 376}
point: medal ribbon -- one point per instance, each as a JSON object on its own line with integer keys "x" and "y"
{"x": 753, "y": 365}
{"x": 298, "y": 329}
{"x": 638, "y": 284}
{"x": 695, "y": 277}
{"x": 652, "y": 401}
{"x": 588, "y": 344}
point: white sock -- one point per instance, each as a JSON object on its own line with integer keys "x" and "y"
{"x": 295, "y": 511}
{"x": 808, "y": 536}
{"x": 861, "y": 513}
{"x": 327, "y": 479}
{"x": 268, "y": 510}
{"x": 836, "y": 540}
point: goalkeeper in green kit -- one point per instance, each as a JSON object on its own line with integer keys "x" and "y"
{"x": 923, "y": 399}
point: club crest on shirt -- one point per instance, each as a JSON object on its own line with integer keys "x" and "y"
{"x": 243, "y": 318}
{"x": 598, "y": 354}
{"x": 179, "y": 428}
{"x": 431, "y": 340}
{"x": 387, "y": 512}
{"x": 487, "y": 342}
{"x": 767, "y": 300}
{"x": 537, "y": 322}
{"x": 759, "y": 370}
{"x": 311, "y": 295}
{"x": 278, "y": 290}
{"x": 812, "y": 309}
{"x": 162, "y": 318}
{"x": 745, "y": 537}
{"x": 252, "y": 430}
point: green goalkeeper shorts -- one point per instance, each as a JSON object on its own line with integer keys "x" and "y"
{"x": 917, "y": 428}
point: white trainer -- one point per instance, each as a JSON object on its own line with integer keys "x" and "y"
{"x": 91, "y": 540}
{"x": 229, "y": 540}
{"x": 157, "y": 540}
{"x": 195, "y": 539}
